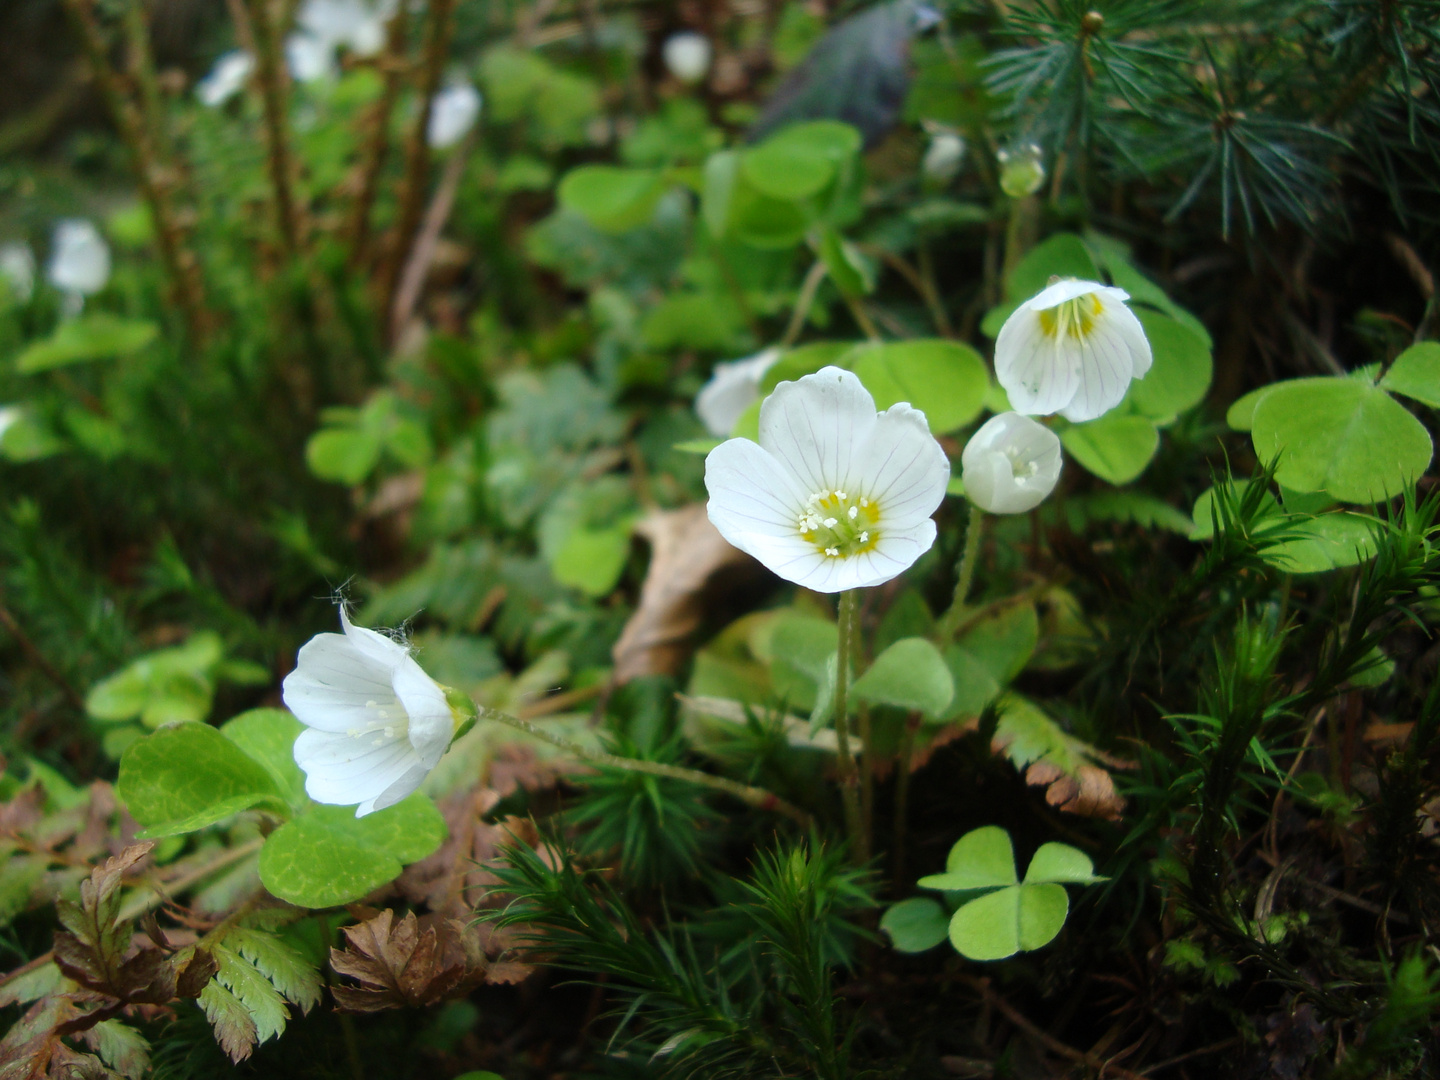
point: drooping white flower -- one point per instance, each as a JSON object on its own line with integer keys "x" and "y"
{"x": 377, "y": 723}
{"x": 1071, "y": 349}
{"x": 833, "y": 496}
{"x": 226, "y": 79}
{"x": 943, "y": 157}
{"x": 79, "y": 258}
{"x": 733, "y": 388}
{"x": 308, "y": 58}
{"x": 453, "y": 112}
{"x": 17, "y": 267}
{"x": 1011, "y": 464}
{"x": 687, "y": 55}
{"x": 358, "y": 25}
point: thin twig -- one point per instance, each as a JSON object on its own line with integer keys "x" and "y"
{"x": 412, "y": 281}
{"x": 751, "y": 796}
{"x": 366, "y": 178}
{"x": 803, "y": 302}
{"x": 274, "y": 82}
{"x": 918, "y": 281}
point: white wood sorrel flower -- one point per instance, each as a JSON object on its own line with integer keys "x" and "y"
{"x": 733, "y": 387}
{"x": 377, "y": 723}
{"x": 1071, "y": 349}
{"x": 833, "y": 496}
{"x": 1010, "y": 464}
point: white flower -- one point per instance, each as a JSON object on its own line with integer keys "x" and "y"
{"x": 377, "y": 723}
{"x": 309, "y": 58}
{"x": 10, "y": 415}
{"x": 733, "y": 388}
{"x": 687, "y": 55}
{"x": 79, "y": 258}
{"x": 453, "y": 112}
{"x": 1072, "y": 349}
{"x": 943, "y": 158}
{"x": 355, "y": 24}
{"x": 1010, "y": 464}
{"x": 226, "y": 79}
{"x": 17, "y": 267}
{"x": 833, "y": 497}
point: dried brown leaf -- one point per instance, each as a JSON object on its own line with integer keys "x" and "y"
{"x": 412, "y": 962}
{"x": 686, "y": 552}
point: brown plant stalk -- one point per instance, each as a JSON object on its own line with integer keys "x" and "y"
{"x": 365, "y": 179}
{"x": 274, "y": 82}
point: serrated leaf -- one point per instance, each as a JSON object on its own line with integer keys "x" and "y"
{"x": 1052, "y": 757}
{"x": 188, "y": 776}
{"x": 233, "y": 1025}
{"x": 255, "y": 992}
{"x": 329, "y": 856}
{"x": 405, "y": 962}
{"x": 280, "y": 963}
{"x": 121, "y": 1047}
{"x": 916, "y": 924}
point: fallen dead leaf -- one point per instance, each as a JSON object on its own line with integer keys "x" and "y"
{"x": 686, "y": 551}
{"x": 409, "y": 962}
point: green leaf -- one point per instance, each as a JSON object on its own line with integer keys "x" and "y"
{"x": 96, "y": 336}
{"x": 1060, "y": 862}
{"x": 592, "y": 560}
{"x": 281, "y": 964}
{"x": 988, "y": 927}
{"x": 1026, "y": 736}
{"x": 799, "y": 649}
{"x": 801, "y": 160}
{"x": 1241, "y": 414}
{"x": 981, "y": 859}
{"x": 848, "y": 269}
{"x": 916, "y": 924}
{"x": 187, "y": 776}
{"x": 692, "y": 320}
{"x": 945, "y": 379}
{"x": 330, "y": 857}
{"x": 28, "y": 438}
{"x": 122, "y": 1048}
{"x": 612, "y": 199}
{"x": 1326, "y": 542}
{"x": 804, "y": 360}
{"x": 1043, "y": 909}
{"x": 233, "y": 1024}
{"x": 268, "y": 736}
{"x": 1416, "y": 374}
{"x": 254, "y": 992}
{"x": 344, "y": 455}
{"x": 1181, "y": 372}
{"x": 1341, "y": 435}
{"x": 910, "y": 674}
{"x": 1115, "y": 448}
{"x": 1004, "y": 640}
{"x": 1062, "y": 255}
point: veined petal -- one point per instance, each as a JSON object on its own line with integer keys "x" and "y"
{"x": 751, "y": 492}
{"x": 902, "y": 468}
{"x": 816, "y": 425}
{"x": 1040, "y": 373}
{"x": 336, "y": 779}
{"x": 335, "y": 686}
{"x": 733, "y": 388}
{"x": 1072, "y": 289}
{"x": 1106, "y": 367}
{"x": 431, "y": 722}
{"x": 397, "y": 790}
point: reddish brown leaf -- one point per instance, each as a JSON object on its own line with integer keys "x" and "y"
{"x": 412, "y": 962}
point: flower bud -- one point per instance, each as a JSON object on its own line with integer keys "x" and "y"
{"x": 687, "y": 55}
{"x": 943, "y": 158}
{"x": 1021, "y": 170}
{"x": 1011, "y": 464}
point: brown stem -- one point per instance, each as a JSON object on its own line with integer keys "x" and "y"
{"x": 154, "y": 176}
{"x": 377, "y": 136}
{"x": 416, "y": 269}
{"x": 274, "y": 80}
{"x": 417, "y": 154}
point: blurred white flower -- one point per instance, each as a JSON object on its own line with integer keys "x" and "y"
{"x": 79, "y": 258}
{"x": 309, "y": 58}
{"x": 733, "y": 388}
{"x": 1011, "y": 464}
{"x": 944, "y": 157}
{"x": 226, "y": 79}
{"x": 687, "y": 55}
{"x": 1071, "y": 349}
{"x": 9, "y": 415}
{"x": 358, "y": 25}
{"x": 453, "y": 112}
{"x": 17, "y": 267}
{"x": 377, "y": 723}
{"x": 833, "y": 496}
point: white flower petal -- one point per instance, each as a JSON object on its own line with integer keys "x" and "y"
{"x": 751, "y": 492}
{"x": 309, "y": 58}
{"x": 79, "y": 258}
{"x": 453, "y": 112}
{"x": 1011, "y": 464}
{"x": 1038, "y": 375}
{"x": 1071, "y": 289}
{"x": 687, "y": 55}
{"x": 226, "y": 79}
{"x": 816, "y": 425}
{"x": 733, "y": 388}
{"x": 432, "y": 724}
{"x": 1105, "y": 370}
{"x": 398, "y": 790}
{"x": 335, "y": 686}
{"x": 903, "y": 468}
{"x": 373, "y": 644}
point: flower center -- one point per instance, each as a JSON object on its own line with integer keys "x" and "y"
{"x": 1073, "y": 318}
{"x": 838, "y": 524}
{"x": 1021, "y": 468}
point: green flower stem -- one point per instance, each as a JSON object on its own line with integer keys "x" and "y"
{"x": 898, "y": 869}
{"x": 849, "y": 777}
{"x": 950, "y": 621}
{"x": 751, "y": 796}
{"x": 1017, "y": 234}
